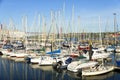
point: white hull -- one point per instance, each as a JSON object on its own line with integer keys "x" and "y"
{"x": 97, "y": 54}
{"x": 72, "y": 66}
{"x": 75, "y": 66}
{"x": 12, "y": 55}
{"x": 35, "y": 60}
{"x": 21, "y": 55}
{"x": 4, "y": 52}
{"x": 46, "y": 61}
{"x": 46, "y": 64}
{"x": 118, "y": 50}
{"x": 100, "y": 71}
{"x": 103, "y": 55}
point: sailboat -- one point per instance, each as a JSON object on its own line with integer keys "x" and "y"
{"x": 117, "y": 60}
{"x": 97, "y": 54}
{"x": 103, "y": 67}
{"x": 75, "y": 66}
{"x": 82, "y": 62}
{"x": 48, "y": 59}
{"x": 97, "y": 70}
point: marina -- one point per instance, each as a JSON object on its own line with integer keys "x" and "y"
{"x": 63, "y": 40}
{"x": 11, "y": 70}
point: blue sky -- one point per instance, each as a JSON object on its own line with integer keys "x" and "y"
{"x": 88, "y": 10}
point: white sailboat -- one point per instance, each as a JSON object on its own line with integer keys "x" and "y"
{"x": 104, "y": 67}
{"x": 97, "y": 54}
{"x": 97, "y": 70}
{"x": 35, "y": 60}
{"x": 75, "y": 66}
{"x": 46, "y": 61}
{"x": 62, "y": 62}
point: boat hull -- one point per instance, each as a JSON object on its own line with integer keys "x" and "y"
{"x": 98, "y": 72}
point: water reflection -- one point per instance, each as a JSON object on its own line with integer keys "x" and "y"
{"x": 11, "y": 70}
{"x": 66, "y": 75}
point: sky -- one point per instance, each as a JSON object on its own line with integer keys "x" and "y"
{"x": 75, "y": 15}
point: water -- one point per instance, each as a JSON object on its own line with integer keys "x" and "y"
{"x": 11, "y": 70}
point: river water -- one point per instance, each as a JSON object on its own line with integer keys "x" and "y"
{"x": 11, "y": 70}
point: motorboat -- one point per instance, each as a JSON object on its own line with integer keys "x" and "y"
{"x": 97, "y": 53}
{"x": 75, "y": 66}
{"x": 98, "y": 70}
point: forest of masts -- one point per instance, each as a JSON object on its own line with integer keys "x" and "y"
{"x": 56, "y": 29}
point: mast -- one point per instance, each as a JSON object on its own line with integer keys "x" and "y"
{"x": 63, "y": 22}
{"x": 107, "y": 31}
{"x": 44, "y": 29}
{"x": 39, "y": 28}
{"x": 34, "y": 30}
{"x": 73, "y": 26}
{"x": 114, "y": 27}
{"x": 114, "y": 36}
{"x": 24, "y": 24}
{"x": 59, "y": 27}
{"x": 100, "y": 31}
{"x": 78, "y": 28}
{"x": 1, "y": 32}
{"x": 11, "y": 30}
{"x": 53, "y": 30}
